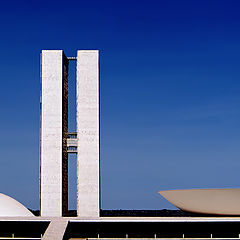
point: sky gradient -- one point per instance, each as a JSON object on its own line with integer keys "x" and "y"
{"x": 170, "y": 94}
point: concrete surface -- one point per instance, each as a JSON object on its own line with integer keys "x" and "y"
{"x": 124, "y": 219}
{"x": 223, "y": 201}
{"x": 12, "y": 208}
{"x": 53, "y": 134}
{"x": 56, "y": 229}
{"x": 88, "y": 186}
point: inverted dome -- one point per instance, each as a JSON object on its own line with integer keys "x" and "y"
{"x": 225, "y": 201}
{"x": 9, "y": 207}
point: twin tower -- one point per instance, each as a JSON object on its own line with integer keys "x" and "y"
{"x": 56, "y": 142}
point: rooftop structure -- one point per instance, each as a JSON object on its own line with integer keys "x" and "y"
{"x": 12, "y": 208}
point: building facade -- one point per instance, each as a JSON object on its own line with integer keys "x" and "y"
{"x": 54, "y": 133}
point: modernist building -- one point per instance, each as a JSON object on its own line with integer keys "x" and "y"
{"x": 17, "y": 222}
{"x": 54, "y": 133}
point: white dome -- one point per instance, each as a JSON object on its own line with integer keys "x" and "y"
{"x": 9, "y": 207}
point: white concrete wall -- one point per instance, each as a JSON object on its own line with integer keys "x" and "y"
{"x": 51, "y": 133}
{"x": 88, "y": 186}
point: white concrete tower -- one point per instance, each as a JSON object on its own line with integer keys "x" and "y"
{"x": 54, "y": 129}
{"x": 88, "y": 183}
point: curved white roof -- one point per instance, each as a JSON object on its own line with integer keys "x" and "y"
{"x": 9, "y": 207}
{"x": 225, "y": 201}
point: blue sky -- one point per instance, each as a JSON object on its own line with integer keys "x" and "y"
{"x": 170, "y": 94}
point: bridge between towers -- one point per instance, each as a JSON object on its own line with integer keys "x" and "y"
{"x": 72, "y": 142}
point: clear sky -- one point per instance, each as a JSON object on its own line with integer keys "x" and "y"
{"x": 170, "y": 94}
